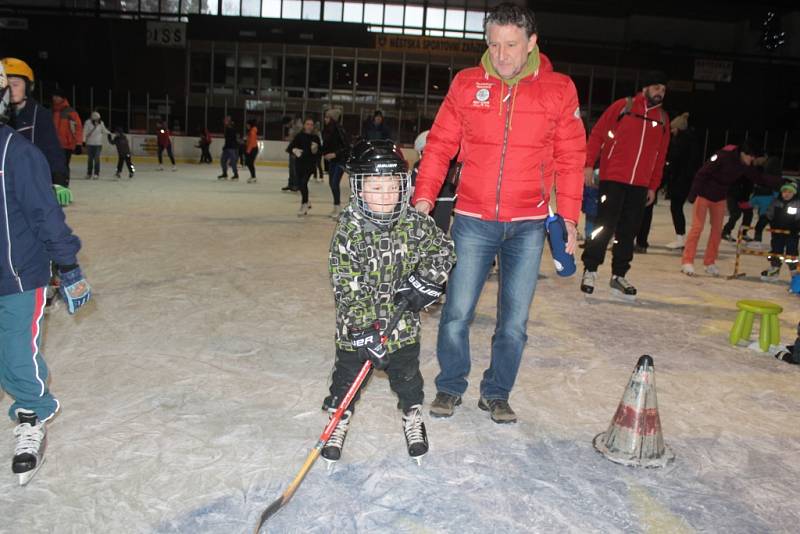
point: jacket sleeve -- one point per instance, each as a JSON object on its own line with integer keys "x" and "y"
{"x": 599, "y": 134}
{"x": 355, "y": 299}
{"x": 441, "y": 146}
{"x": 661, "y": 158}
{"x": 569, "y": 153}
{"x": 437, "y": 252}
{"x": 34, "y": 192}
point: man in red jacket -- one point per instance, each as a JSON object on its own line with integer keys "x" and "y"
{"x": 631, "y": 138}
{"x": 517, "y": 124}
{"x": 69, "y": 128}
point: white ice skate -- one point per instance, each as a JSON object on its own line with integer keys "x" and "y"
{"x": 31, "y": 443}
{"x": 332, "y": 451}
{"x": 679, "y": 243}
{"x": 414, "y": 430}
{"x": 688, "y": 269}
{"x": 713, "y": 270}
{"x": 623, "y": 289}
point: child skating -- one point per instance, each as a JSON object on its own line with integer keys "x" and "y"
{"x": 382, "y": 253}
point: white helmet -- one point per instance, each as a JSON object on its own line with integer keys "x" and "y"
{"x": 5, "y": 95}
{"x": 419, "y": 142}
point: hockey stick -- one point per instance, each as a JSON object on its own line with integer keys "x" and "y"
{"x": 281, "y": 501}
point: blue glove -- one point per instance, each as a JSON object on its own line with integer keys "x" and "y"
{"x": 369, "y": 346}
{"x": 557, "y": 239}
{"x": 75, "y": 290}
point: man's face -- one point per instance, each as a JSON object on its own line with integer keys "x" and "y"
{"x": 17, "y": 87}
{"x": 378, "y": 120}
{"x": 381, "y": 193}
{"x": 787, "y": 194}
{"x": 57, "y": 100}
{"x": 655, "y": 93}
{"x": 308, "y": 126}
{"x": 508, "y": 48}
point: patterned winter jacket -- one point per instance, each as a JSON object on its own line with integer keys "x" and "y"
{"x": 368, "y": 266}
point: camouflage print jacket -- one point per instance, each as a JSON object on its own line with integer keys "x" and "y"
{"x": 368, "y": 266}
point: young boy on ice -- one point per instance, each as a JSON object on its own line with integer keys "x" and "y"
{"x": 33, "y": 234}
{"x": 383, "y": 253}
{"x": 783, "y": 214}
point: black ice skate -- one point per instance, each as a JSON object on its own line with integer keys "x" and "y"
{"x": 588, "y": 281}
{"x": 622, "y": 288}
{"x": 332, "y": 450}
{"x": 414, "y": 430}
{"x": 772, "y": 274}
{"x": 31, "y": 441}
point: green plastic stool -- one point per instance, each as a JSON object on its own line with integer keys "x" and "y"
{"x": 768, "y": 334}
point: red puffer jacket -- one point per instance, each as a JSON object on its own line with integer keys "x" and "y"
{"x": 633, "y": 147}
{"x": 69, "y": 128}
{"x": 516, "y": 143}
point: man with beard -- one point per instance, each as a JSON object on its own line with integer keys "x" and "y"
{"x": 631, "y": 140}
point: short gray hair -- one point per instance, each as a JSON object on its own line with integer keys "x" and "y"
{"x": 506, "y": 14}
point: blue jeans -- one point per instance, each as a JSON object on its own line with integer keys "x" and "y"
{"x": 335, "y": 171}
{"x": 229, "y": 156}
{"x": 93, "y": 159}
{"x": 519, "y": 246}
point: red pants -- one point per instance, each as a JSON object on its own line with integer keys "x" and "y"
{"x": 717, "y": 213}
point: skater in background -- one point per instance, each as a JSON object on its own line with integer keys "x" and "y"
{"x": 738, "y": 202}
{"x": 376, "y": 128}
{"x": 763, "y": 197}
{"x": 251, "y": 150}
{"x": 682, "y": 163}
{"x": 304, "y": 147}
{"x": 335, "y": 149}
{"x": 383, "y": 253}
{"x": 630, "y": 139}
{"x": 120, "y": 140}
{"x": 35, "y": 122}
{"x": 319, "y": 171}
{"x": 230, "y": 151}
{"x": 93, "y": 133}
{"x": 446, "y": 199}
{"x": 783, "y": 215}
{"x": 38, "y": 235}
{"x": 164, "y": 138}
{"x": 204, "y": 144}
{"x": 709, "y": 192}
{"x": 68, "y": 125}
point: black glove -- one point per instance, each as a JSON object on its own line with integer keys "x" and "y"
{"x": 367, "y": 343}
{"x": 418, "y": 292}
{"x": 78, "y": 150}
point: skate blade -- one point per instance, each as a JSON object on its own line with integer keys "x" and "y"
{"x": 622, "y": 296}
{"x": 329, "y": 465}
{"x": 418, "y": 459}
{"x": 26, "y": 477}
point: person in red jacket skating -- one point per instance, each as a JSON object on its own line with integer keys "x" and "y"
{"x": 68, "y": 125}
{"x": 164, "y": 138}
{"x": 631, "y": 139}
{"x": 518, "y": 127}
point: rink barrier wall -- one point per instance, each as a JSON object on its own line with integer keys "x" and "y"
{"x": 144, "y": 150}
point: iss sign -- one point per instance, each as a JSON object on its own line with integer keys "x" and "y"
{"x": 169, "y": 34}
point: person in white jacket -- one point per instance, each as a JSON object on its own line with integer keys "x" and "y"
{"x": 94, "y": 131}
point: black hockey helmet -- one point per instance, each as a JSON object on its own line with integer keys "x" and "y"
{"x": 381, "y": 160}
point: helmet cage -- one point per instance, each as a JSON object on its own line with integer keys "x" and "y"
{"x": 368, "y": 190}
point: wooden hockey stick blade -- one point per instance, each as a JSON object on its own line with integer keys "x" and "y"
{"x": 278, "y": 503}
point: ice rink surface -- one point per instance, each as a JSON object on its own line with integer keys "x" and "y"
{"x": 191, "y": 388}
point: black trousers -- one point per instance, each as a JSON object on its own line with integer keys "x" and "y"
{"x": 403, "y": 372}
{"x": 67, "y": 156}
{"x": 734, "y": 212}
{"x": 205, "y": 154}
{"x": 168, "y": 148}
{"x": 619, "y": 214}
{"x": 304, "y": 172}
{"x": 250, "y": 161}
{"x": 126, "y": 159}
{"x": 644, "y": 228}
{"x": 677, "y": 198}
{"x": 783, "y": 244}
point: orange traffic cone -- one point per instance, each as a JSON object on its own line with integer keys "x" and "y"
{"x": 634, "y": 436}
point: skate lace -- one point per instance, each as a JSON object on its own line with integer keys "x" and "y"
{"x": 412, "y": 425}
{"x": 29, "y": 438}
{"x": 339, "y": 433}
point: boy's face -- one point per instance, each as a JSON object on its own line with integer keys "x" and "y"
{"x": 787, "y": 194}
{"x": 381, "y": 193}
